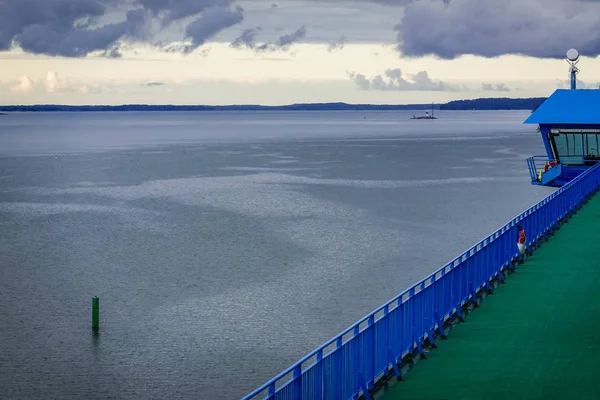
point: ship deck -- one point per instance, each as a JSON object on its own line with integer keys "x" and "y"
{"x": 536, "y": 337}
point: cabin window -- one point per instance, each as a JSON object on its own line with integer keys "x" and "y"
{"x": 569, "y": 148}
{"x": 592, "y": 149}
{"x": 576, "y": 148}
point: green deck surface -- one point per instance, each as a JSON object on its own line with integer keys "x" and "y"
{"x": 536, "y": 337}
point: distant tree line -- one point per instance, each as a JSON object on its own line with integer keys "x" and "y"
{"x": 500, "y": 103}
{"x": 477, "y": 104}
{"x": 244, "y": 107}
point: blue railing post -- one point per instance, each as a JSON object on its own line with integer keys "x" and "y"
{"x": 430, "y": 324}
{"x": 339, "y": 366}
{"x": 297, "y": 377}
{"x": 394, "y": 364}
{"x": 372, "y": 351}
{"x": 363, "y": 387}
{"x": 385, "y": 321}
{"x": 271, "y": 391}
{"x": 440, "y": 325}
{"x": 355, "y": 349}
{"x": 319, "y": 378}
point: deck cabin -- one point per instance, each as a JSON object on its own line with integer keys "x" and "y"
{"x": 569, "y": 122}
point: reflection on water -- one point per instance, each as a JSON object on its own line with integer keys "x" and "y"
{"x": 220, "y": 256}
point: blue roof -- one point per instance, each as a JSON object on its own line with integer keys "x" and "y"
{"x": 568, "y": 106}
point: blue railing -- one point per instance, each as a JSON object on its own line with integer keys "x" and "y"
{"x": 350, "y": 364}
{"x": 535, "y": 164}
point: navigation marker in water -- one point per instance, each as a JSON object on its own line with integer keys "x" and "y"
{"x": 95, "y": 313}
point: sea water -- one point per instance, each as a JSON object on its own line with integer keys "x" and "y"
{"x": 226, "y": 245}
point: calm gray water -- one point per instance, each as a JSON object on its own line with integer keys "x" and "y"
{"x": 224, "y": 246}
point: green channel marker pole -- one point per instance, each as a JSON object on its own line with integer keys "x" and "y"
{"x": 95, "y": 312}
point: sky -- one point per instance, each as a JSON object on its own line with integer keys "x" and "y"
{"x": 291, "y": 51}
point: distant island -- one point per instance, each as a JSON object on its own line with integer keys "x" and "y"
{"x": 495, "y": 103}
{"x": 475, "y": 104}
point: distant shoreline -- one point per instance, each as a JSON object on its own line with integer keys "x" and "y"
{"x": 475, "y": 104}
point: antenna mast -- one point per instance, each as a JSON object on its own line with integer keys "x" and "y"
{"x": 573, "y": 59}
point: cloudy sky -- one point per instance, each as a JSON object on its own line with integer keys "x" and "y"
{"x": 289, "y": 51}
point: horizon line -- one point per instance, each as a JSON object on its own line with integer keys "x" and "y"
{"x": 340, "y": 103}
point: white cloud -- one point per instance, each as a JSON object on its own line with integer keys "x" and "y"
{"x": 393, "y": 79}
{"x": 24, "y": 85}
{"x": 308, "y": 74}
{"x": 499, "y": 87}
{"x": 52, "y": 83}
{"x": 581, "y": 84}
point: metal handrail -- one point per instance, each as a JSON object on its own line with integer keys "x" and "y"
{"x": 535, "y": 164}
{"x": 400, "y": 326}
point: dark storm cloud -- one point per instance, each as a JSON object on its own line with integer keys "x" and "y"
{"x": 173, "y": 10}
{"x": 392, "y": 80}
{"x": 61, "y": 27}
{"x": 112, "y": 53}
{"x": 247, "y": 38}
{"x": 444, "y": 28}
{"x": 212, "y": 21}
{"x": 338, "y": 45}
{"x": 284, "y": 42}
{"x": 391, "y": 2}
{"x": 489, "y": 28}
{"x": 70, "y": 27}
{"x": 293, "y": 37}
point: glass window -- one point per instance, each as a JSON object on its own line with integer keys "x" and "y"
{"x": 569, "y": 148}
{"x": 576, "y": 148}
{"x": 592, "y": 149}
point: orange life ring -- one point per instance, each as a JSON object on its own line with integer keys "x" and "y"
{"x": 550, "y": 164}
